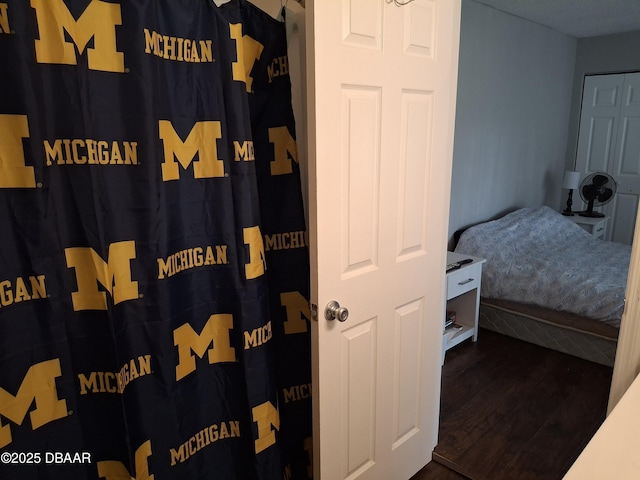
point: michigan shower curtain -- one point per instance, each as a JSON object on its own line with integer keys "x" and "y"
{"x": 153, "y": 250}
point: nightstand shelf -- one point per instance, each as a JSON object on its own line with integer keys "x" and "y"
{"x": 463, "y": 297}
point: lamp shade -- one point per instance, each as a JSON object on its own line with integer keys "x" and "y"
{"x": 571, "y": 180}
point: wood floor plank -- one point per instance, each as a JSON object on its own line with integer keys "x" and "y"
{"x": 510, "y": 409}
{"x": 436, "y": 471}
{"x": 590, "y": 393}
{"x": 488, "y": 407}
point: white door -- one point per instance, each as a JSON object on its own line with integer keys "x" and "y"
{"x": 625, "y": 167}
{"x": 609, "y": 141}
{"x": 381, "y": 102}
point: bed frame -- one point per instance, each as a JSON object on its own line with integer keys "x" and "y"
{"x": 561, "y": 331}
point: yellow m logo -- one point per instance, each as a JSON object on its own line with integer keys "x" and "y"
{"x": 114, "y": 275}
{"x": 248, "y": 51}
{"x": 284, "y": 149}
{"x": 298, "y": 312}
{"x": 39, "y": 387}
{"x": 214, "y": 339}
{"x": 201, "y": 140}
{"x": 114, "y": 470}
{"x": 4, "y": 19}
{"x": 266, "y": 416}
{"x": 97, "y": 22}
{"x": 13, "y": 171}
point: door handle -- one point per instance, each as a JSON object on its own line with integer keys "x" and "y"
{"x": 333, "y": 311}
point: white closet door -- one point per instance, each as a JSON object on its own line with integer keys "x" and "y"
{"x": 609, "y": 141}
{"x": 625, "y": 167}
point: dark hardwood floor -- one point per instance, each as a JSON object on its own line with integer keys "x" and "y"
{"x": 514, "y": 411}
{"x": 437, "y": 471}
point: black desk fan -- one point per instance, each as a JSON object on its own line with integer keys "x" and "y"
{"x": 596, "y": 190}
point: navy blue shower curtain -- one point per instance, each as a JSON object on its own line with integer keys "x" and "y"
{"x": 154, "y": 278}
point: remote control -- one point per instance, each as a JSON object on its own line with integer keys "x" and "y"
{"x": 457, "y": 265}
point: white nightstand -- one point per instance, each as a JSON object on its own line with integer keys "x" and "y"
{"x": 596, "y": 226}
{"x": 463, "y": 297}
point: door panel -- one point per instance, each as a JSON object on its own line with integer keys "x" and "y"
{"x": 624, "y": 207}
{"x": 415, "y": 145}
{"x": 362, "y": 24}
{"x": 598, "y": 123}
{"x": 382, "y": 84}
{"x": 360, "y": 189}
{"x": 358, "y": 355}
{"x": 408, "y": 372}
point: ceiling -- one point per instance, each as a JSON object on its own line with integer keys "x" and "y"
{"x": 578, "y": 18}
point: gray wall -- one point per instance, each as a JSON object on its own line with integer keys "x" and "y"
{"x": 514, "y": 90}
{"x": 608, "y": 54}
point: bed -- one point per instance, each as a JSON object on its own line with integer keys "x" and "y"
{"x": 549, "y": 282}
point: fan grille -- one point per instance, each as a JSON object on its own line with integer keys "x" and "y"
{"x": 597, "y": 189}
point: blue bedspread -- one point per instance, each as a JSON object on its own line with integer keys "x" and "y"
{"x": 537, "y": 256}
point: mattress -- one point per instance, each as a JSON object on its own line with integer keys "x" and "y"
{"x": 539, "y": 257}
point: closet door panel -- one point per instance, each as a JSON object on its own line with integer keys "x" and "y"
{"x": 598, "y": 122}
